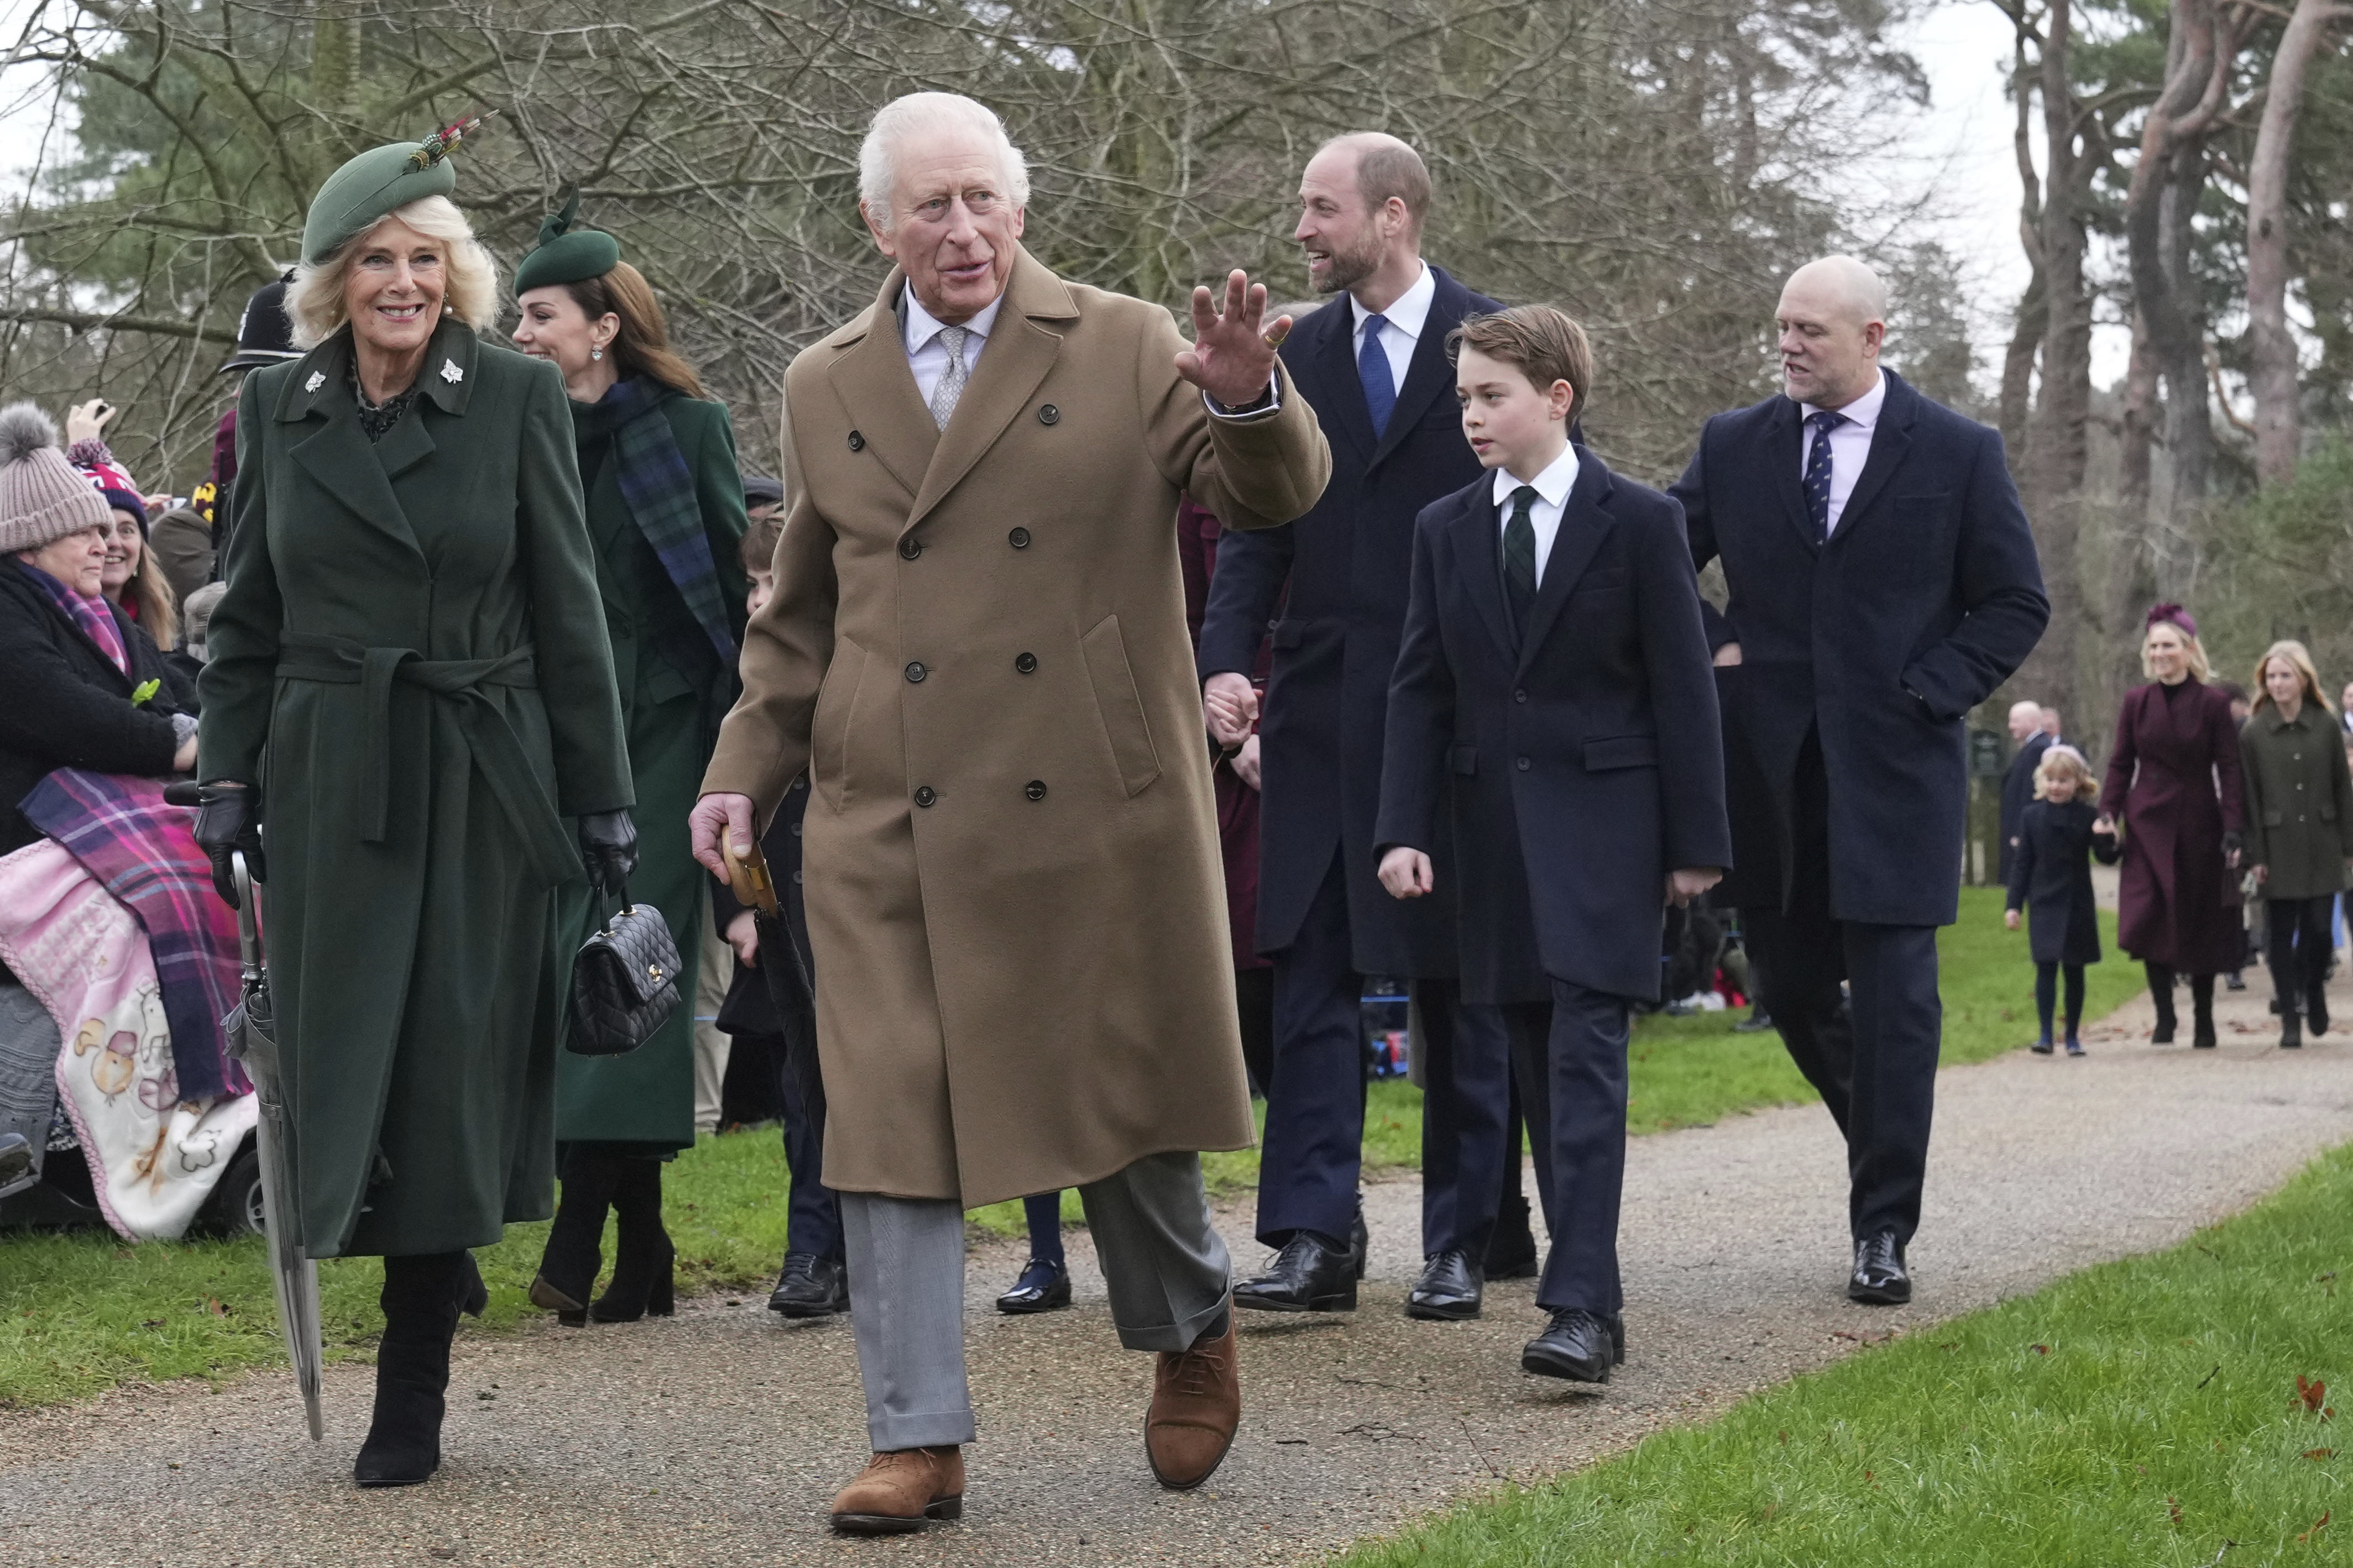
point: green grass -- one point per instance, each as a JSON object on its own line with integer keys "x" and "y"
{"x": 2144, "y": 1411}
{"x": 81, "y": 1312}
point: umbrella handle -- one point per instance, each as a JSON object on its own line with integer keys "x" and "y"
{"x": 249, "y": 923}
{"x": 749, "y": 877}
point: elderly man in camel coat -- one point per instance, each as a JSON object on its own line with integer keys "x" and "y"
{"x": 978, "y": 652}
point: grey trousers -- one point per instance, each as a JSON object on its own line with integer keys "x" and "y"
{"x": 1164, "y": 1264}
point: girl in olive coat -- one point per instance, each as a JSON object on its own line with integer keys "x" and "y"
{"x": 666, "y": 515}
{"x": 410, "y": 684}
{"x": 2299, "y": 828}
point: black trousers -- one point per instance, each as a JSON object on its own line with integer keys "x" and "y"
{"x": 2298, "y": 948}
{"x": 1569, "y": 1056}
{"x": 1872, "y": 1057}
{"x": 1313, "y": 1149}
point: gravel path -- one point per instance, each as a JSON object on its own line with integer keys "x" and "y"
{"x": 718, "y": 1435}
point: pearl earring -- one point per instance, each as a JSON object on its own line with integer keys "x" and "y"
{"x": 595, "y": 353}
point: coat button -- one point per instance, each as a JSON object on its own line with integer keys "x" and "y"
{"x": 1522, "y": 765}
{"x": 1018, "y": 539}
{"x": 857, "y": 442}
{"x": 910, "y": 547}
{"x": 1026, "y": 663}
{"x": 797, "y": 879}
{"x": 925, "y": 795}
{"x": 1035, "y": 789}
{"x": 1519, "y": 697}
{"x": 915, "y": 672}
{"x": 796, "y": 830}
{"x": 1048, "y": 415}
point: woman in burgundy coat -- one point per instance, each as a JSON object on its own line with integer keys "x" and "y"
{"x": 2174, "y": 779}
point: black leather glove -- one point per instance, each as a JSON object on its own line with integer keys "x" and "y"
{"x": 228, "y": 817}
{"x": 608, "y": 845}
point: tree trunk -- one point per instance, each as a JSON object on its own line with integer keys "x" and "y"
{"x": 2018, "y": 372}
{"x": 2271, "y": 365}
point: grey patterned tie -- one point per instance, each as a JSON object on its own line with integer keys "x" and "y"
{"x": 951, "y": 379}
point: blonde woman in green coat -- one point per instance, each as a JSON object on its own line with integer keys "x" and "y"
{"x": 411, "y": 689}
{"x": 2300, "y": 829}
{"x": 666, "y": 517}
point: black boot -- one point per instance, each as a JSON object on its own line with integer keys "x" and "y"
{"x": 2291, "y": 1030}
{"x": 2316, "y": 1005}
{"x": 422, "y": 1298}
{"x": 567, "y": 1269}
{"x": 2160, "y": 992}
{"x": 643, "y": 1256}
{"x": 2202, "y": 1007}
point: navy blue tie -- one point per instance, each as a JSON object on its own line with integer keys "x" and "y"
{"x": 1373, "y": 370}
{"x": 1818, "y": 471}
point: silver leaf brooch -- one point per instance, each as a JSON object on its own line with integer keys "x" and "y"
{"x": 318, "y": 379}
{"x": 450, "y": 373}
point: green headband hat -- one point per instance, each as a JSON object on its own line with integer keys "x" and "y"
{"x": 566, "y": 255}
{"x": 378, "y": 183}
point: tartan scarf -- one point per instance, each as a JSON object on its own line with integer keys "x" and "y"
{"x": 89, "y": 614}
{"x": 144, "y": 853}
{"x": 659, "y": 490}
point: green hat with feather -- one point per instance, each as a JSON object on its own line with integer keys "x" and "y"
{"x": 566, "y": 255}
{"x": 378, "y": 183}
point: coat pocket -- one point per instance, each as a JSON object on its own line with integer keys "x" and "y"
{"x": 1119, "y": 706}
{"x": 1621, "y": 752}
{"x": 836, "y": 702}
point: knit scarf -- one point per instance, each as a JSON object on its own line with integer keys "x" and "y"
{"x": 89, "y": 614}
{"x": 659, "y": 487}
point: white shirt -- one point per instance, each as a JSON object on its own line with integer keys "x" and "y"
{"x": 928, "y": 357}
{"x": 1849, "y": 443}
{"x": 1552, "y": 499}
{"x": 1401, "y": 325}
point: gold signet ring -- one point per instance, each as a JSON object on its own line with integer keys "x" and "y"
{"x": 1274, "y": 339}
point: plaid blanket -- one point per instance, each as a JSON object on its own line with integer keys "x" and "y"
{"x": 144, "y": 853}
{"x": 659, "y": 490}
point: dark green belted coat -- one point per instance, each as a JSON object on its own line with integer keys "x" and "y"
{"x": 674, "y": 691}
{"x": 411, "y": 660}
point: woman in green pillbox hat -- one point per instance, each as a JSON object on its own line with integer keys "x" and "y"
{"x": 411, "y": 687}
{"x": 666, "y": 519}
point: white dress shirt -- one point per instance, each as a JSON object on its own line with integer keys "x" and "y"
{"x": 1552, "y": 499}
{"x": 927, "y": 357}
{"x": 1401, "y": 325}
{"x": 1849, "y": 443}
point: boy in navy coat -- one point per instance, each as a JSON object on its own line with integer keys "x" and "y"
{"x": 1554, "y": 672}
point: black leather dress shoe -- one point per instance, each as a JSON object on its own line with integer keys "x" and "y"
{"x": 1879, "y": 1277}
{"x": 1578, "y": 1346}
{"x": 810, "y": 1286}
{"x": 1449, "y": 1289}
{"x": 1312, "y": 1274}
{"x": 1044, "y": 1285}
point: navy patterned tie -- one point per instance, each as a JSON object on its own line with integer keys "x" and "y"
{"x": 1373, "y": 370}
{"x": 1818, "y": 471}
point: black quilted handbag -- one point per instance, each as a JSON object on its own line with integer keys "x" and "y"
{"x": 623, "y": 982}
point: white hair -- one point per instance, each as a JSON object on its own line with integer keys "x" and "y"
{"x": 919, "y": 111}
{"x": 314, "y": 302}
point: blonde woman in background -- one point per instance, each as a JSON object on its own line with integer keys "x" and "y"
{"x": 2300, "y": 829}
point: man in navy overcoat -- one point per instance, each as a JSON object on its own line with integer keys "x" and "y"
{"x": 1883, "y": 583}
{"x": 1374, "y": 365}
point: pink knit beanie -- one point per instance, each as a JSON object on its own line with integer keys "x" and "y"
{"x": 42, "y": 497}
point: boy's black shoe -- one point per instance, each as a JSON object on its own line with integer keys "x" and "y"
{"x": 1313, "y": 1273}
{"x": 1879, "y": 1277}
{"x": 2234, "y": 981}
{"x": 2041, "y": 1048}
{"x": 1578, "y": 1346}
{"x": 1449, "y": 1290}
{"x": 1044, "y": 1285}
{"x": 810, "y": 1286}
{"x": 2074, "y": 1047}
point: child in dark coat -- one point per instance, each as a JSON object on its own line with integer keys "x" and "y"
{"x": 2050, "y": 877}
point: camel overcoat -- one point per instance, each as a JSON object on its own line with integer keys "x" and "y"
{"x": 977, "y": 650}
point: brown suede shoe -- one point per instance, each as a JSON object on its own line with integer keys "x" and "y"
{"x": 1196, "y": 1403}
{"x": 898, "y": 1491}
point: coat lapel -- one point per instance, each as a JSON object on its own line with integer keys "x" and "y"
{"x": 877, "y": 392}
{"x": 1428, "y": 373}
{"x": 1479, "y": 549}
{"x": 338, "y": 455}
{"x": 1785, "y": 456}
{"x": 1019, "y": 354}
{"x": 1890, "y": 439}
{"x": 1342, "y": 405}
{"x": 1585, "y": 521}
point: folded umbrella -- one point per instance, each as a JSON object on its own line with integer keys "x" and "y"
{"x": 789, "y": 988}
